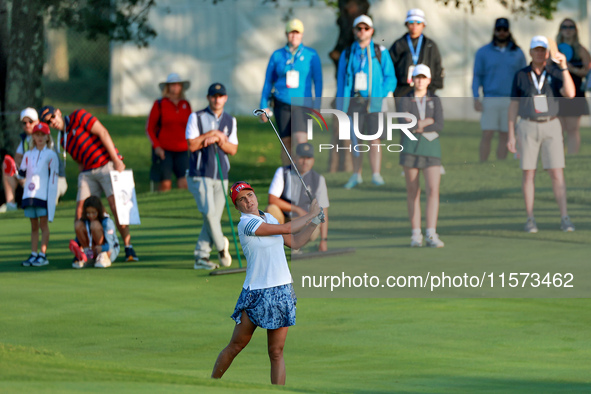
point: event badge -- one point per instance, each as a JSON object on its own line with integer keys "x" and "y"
{"x": 360, "y": 81}
{"x": 292, "y": 79}
{"x": 409, "y": 81}
{"x": 540, "y": 103}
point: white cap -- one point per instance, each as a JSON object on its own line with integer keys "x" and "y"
{"x": 539, "y": 41}
{"x": 421, "y": 69}
{"x": 363, "y": 19}
{"x": 29, "y": 113}
{"x": 416, "y": 14}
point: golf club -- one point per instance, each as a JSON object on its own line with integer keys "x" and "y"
{"x": 259, "y": 112}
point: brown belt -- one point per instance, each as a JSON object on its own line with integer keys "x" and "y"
{"x": 542, "y": 119}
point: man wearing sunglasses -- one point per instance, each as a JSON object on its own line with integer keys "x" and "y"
{"x": 90, "y": 145}
{"x": 495, "y": 66}
{"x": 415, "y": 48}
{"x": 365, "y": 76}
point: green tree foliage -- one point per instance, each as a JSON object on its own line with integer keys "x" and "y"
{"x": 532, "y": 8}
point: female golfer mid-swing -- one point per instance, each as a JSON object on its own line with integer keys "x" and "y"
{"x": 267, "y": 299}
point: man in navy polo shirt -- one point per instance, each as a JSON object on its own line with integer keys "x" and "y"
{"x": 534, "y": 99}
{"x": 211, "y": 135}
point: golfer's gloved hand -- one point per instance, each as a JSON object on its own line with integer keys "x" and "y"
{"x": 320, "y": 218}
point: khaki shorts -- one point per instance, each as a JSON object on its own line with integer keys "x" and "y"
{"x": 533, "y": 137}
{"x": 93, "y": 182}
{"x": 495, "y": 112}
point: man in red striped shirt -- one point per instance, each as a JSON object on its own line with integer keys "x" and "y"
{"x": 91, "y": 146}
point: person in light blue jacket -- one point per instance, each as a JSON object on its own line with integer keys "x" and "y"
{"x": 365, "y": 76}
{"x": 495, "y": 66}
{"x": 290, "y": 74}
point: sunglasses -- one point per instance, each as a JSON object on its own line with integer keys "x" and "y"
{"x": 568, "y": 27}
{"x": 414, "y": 22}
{"x": 25, "y": 122}
{"x": 501, "y": 29}
{"x": 47, "y": 121}
{"x": 361, "y": 28}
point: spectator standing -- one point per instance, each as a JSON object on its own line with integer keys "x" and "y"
{"x": 423, "y": 154}
{"x": 364, "y": 77}
{"x": 166, "y": 130}
{"x": 578, "y": 59}
{"x": 290, "y": 73}
{"x": 212, "y": 137}
{"x": 415, "y": 48}
{"x": 495, "y": 66}
{"x": 533, "y": 99}
{"x": 39, "y": 167}
{"x": 90, "y": 145}
{"x": 288, "y": 200}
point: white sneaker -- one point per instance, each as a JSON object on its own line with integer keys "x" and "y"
{"x": 204, "y": 264}
{"x": 40, "y": 261}
{"x": 224, "y": 256}
{"x": 102, "y": 260}
{"x": 434, "y": 242}
{"x": 80, "y": 264}
{"x": 416, "y": 241}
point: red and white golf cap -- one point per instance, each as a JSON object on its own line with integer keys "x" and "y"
{"x": 237, "y": 188}
{"x": 41, "y": 128}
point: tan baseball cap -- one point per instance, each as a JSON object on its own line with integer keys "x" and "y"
{"x": 294, "y": 25}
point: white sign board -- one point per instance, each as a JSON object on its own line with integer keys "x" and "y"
{"x": 125, "y": 200}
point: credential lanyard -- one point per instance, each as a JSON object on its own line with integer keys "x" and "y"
{"x": 538, "y": 85}
{"x": 294, "y": 55}
{"x": 422, "y": 106}
{"x": 415, "y": 52}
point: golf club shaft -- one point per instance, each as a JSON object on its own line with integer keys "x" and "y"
{"x": 258, "y": 112}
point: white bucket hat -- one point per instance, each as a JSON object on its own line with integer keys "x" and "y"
{"x": 174, "y": 78}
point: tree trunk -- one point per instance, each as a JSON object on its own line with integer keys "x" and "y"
{"x": 3, "y": 67}
{"x": 26, "y": 56}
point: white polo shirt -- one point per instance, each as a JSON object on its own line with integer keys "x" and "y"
{"x": 266, "y": 262}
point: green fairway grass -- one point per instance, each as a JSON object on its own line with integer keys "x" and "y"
{"x": 157, "y": 325}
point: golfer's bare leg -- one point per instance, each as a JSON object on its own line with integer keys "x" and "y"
{"x": 275, "y": 343}
{"x": 375, "y": 156}
{"x": 357, "y": 162}
{"x": 301, "y": 137}
{"x": 43, "y": 224}
{"x": 502, "y": 148}
{"x": 432, "y": 181}
{"x": 485, "y": 142}
{"x": 98, "y": 234}
{"x": 559, "y": 188}
{"x": 240, "y": 338}
{"x": 79, "y": 209}
{"x": 528, "y": 188}
{"x": 413, "y": 196}
{"x": 123, "y": 230}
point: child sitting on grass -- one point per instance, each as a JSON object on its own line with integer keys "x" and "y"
{"x": 39, "y": 168}
{"x": 96, "y": 235}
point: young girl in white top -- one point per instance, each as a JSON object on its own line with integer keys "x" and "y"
{"x": 40, "y": 168}
{"x": 267, "y": 299}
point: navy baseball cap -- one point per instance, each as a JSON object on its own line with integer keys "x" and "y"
{"x": 44, "y": 112}
{"x": 502, "y": 22}
{"x": 305, "y": 150}
{"x": 217, "y": 88}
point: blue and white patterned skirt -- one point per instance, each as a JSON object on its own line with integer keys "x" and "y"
{"x": 270, "y": 308}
